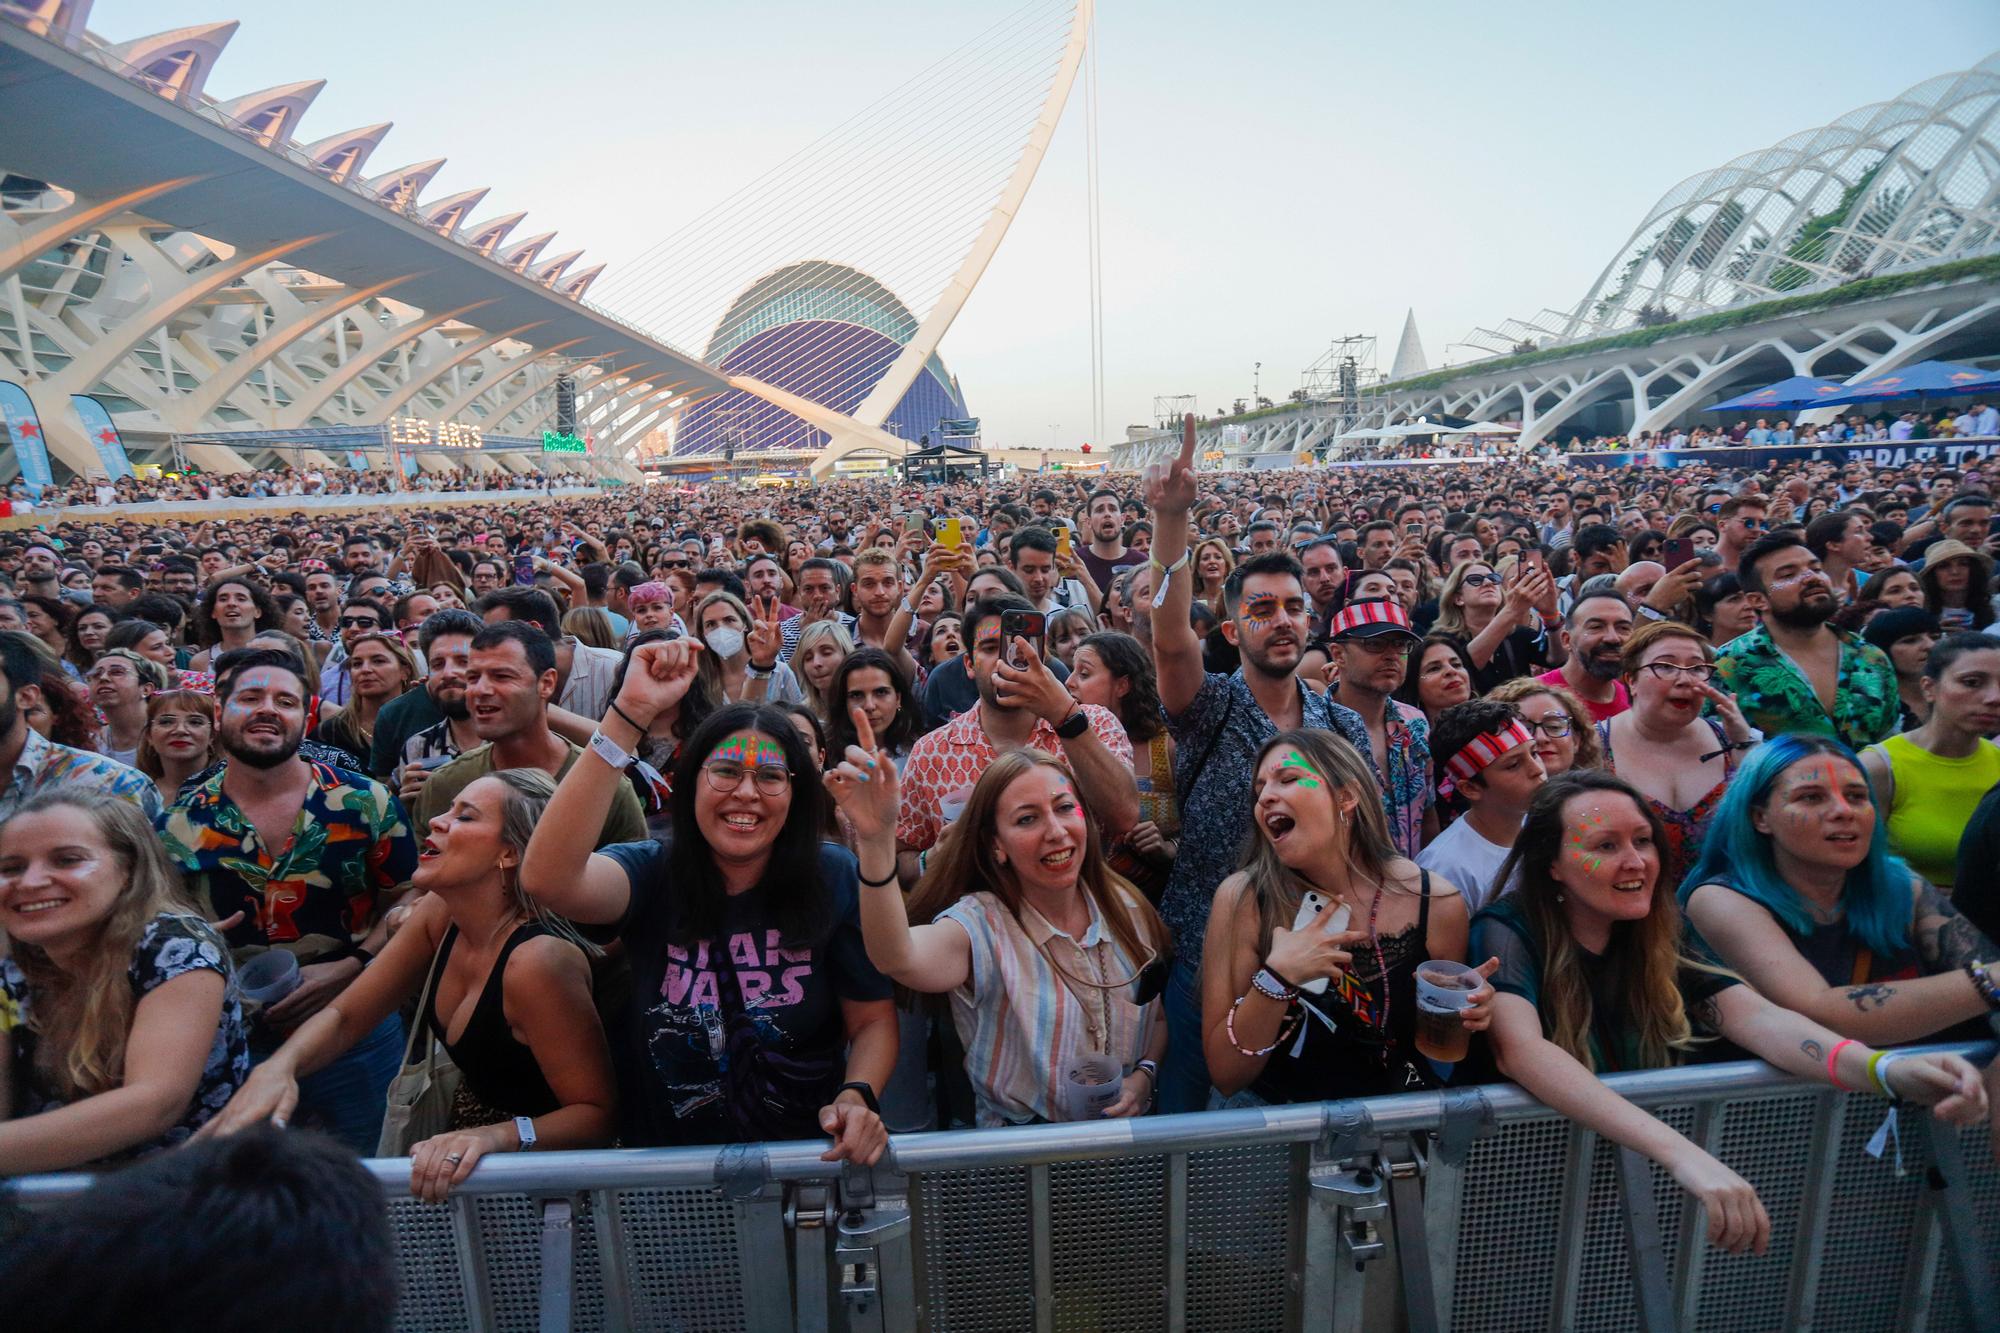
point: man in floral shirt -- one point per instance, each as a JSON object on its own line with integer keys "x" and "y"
{"x": 306, "y": 857}
{"x": 1795, "y": 672}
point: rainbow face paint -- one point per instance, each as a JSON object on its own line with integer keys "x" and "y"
{"x": 748, "y": 752}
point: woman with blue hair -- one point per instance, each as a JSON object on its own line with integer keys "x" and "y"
{"x": 1797, "y": 890}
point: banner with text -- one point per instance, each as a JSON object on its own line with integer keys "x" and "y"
{"x": 1875, "y": 453}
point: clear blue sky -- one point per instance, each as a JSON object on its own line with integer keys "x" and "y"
{"x": 1274, "y": 174}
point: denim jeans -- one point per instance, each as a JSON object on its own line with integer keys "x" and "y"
{"x": 1184, "y": 1076}
{"x": 346, "y": 1099}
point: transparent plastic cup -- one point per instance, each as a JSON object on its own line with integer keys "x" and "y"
{"x": 269, "y": 977}
{"x": 1444, "y": 990}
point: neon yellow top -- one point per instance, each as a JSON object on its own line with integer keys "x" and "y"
{"x": 1934, "y": 800}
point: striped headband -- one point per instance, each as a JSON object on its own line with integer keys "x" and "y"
{"x": 1386, "y": 611}
{"x": 1483, "y": 750}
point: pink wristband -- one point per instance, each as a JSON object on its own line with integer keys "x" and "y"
{"x": 1831, "y": 1057}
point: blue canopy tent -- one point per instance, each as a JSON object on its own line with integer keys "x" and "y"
{"x": 1787, "y": 395}
{"x": 1925, "y": 379}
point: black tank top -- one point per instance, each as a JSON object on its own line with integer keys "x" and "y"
{"x": 500, "y": 1071}
{"x": 1354, "y": 1060}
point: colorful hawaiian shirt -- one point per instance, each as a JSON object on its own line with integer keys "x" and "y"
{"x": 44, "y": 764}
{"x": 1407, "y": 790}
{"x": 1776, "y": 697}
{"x": 349, "y": 846}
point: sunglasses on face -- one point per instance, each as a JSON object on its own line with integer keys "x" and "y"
{"x": 358, "y": 622}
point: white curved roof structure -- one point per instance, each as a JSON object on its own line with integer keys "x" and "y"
{"x": 1904, "y": 183}
{"x": 341, "y": 156}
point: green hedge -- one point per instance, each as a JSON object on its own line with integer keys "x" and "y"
{"x": 1863, "y": 289}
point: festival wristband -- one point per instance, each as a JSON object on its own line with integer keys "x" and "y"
{"x": 607, "y": 749}
{"x": 1166, "y": 573}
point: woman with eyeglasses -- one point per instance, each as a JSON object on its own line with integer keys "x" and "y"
{"x": 1565, "y": 737}
{"x": 1676, "y": 758}
{"x": 1500, "y": 623}
{"x": 179, "y": 741}
{"x": 1053, "y": 961}
{"x": 756, "y": 1013}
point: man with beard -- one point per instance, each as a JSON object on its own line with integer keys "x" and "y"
{"x": 29, "y": 763}
{"x": 1371, "y": 642}
{"x": 1219, "y": 723}
{"x": 1106, "y": 554}
{"x": 323, "y": 600}
{"x": 1795, "y": 672}
{"x": 428, "y": 726}
{"x": 1594, "y": 634}
{"x": 1021, "y": 705}
{"x": 301, "y": 857}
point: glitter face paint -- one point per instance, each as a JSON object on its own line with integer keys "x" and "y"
{"x": 1580, "y": 837}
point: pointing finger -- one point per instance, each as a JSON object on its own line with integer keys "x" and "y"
{"x": 864, "y": 732}
{"x": 1187, "y": 439}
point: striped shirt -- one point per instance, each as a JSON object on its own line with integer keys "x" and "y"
{"x": 1022, "y": 1021}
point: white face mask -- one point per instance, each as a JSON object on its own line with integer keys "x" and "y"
{"x": 725, "y": 641}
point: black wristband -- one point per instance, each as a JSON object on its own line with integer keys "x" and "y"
{"x": 628, "y": 719}
{"x": 882, "y": 883}
{"x": 1074, "y": 725}
{"x": 867, "y": 1094}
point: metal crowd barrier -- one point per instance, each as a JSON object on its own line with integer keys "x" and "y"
{"x": 1470, "y": 1210}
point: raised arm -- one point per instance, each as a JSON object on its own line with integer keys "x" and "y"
{"x": 932, "y": 958}
{"x": 1101, "y": 763}
{"x": 1170, "y": 493}
{"x": 1749, "y": 940}
{"x": 560, "y": 869}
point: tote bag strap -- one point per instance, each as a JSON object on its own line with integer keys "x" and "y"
{"x": 422, "y": 1026}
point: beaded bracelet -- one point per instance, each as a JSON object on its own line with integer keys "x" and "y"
{"x": 1285, "y": 1030}
{"x": 1982, "y": 981}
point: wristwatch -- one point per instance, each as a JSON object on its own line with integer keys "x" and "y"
{"x": 1074, "y": 725}
{"x": 525, "y": 1127}
{"x": 868, "y": 1097}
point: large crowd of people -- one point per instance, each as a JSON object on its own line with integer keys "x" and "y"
{"x": 692, "y": 816}
{"x": 157, "y": 485}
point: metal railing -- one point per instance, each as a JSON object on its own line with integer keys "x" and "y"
{"x": 1474, "y": 1209}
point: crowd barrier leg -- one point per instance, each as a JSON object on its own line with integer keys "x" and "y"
{"x": 1404, "y": 1167}
{"x": 1970, "y": 1250}
{"x": 558, "y": 1260}
{"x": 809, "y": 1216}
{"x": 1652, "y": 1290}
